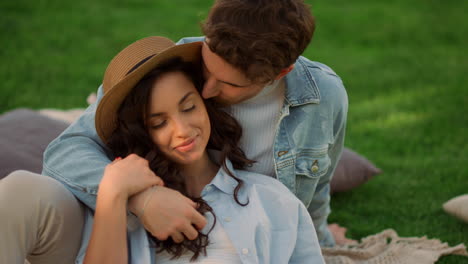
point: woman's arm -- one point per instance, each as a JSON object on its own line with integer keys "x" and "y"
{"x": 121, "y": 180}
{"x": 108, "y": 243}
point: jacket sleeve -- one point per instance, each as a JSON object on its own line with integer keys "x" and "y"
{"x": 77, "y": 158}
{"x": 190, "y": 39}
{"x": 337, "y": 101}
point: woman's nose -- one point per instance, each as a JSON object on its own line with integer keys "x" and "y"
{"x": 181, "y": 128}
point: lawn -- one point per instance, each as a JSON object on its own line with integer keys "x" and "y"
{"x": 404, "y": 64}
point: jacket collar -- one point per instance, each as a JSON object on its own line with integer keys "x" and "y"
{"x": 301, "y": 87}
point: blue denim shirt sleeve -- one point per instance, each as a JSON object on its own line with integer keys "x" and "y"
{"x": 77, "y": 158}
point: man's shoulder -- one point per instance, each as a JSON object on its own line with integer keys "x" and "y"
{"x": 315, "y": 80}
{"x": 315, "y": 66}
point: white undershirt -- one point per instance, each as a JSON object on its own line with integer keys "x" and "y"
{"x": 259, "y": 117}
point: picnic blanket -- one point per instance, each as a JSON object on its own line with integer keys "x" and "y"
{"x": 388, "y": 248}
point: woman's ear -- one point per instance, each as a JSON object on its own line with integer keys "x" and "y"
{"x": 284, "y": 71}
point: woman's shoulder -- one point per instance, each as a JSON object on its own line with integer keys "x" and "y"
{"x": 266, "y": 185}
{"x": 267, "y": 194}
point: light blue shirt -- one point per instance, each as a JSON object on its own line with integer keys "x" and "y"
{"x": 274, "y": 227}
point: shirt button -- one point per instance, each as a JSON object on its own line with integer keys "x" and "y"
{"x": 227, "y": 219}
{"x": 245, "y": 251}
{"x": 315, "y": 168}
{"x": 208, "y": 188}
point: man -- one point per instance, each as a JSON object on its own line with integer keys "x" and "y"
{"x": 292, "y": 110}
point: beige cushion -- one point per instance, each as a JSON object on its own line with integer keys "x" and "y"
{"x": 458, "y": 207}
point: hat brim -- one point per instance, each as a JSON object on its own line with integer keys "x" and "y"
{"x": 106, "y": 112}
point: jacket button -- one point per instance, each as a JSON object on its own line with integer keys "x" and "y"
{"x": 281, "y": 153}
{"x": 315, "y": 168}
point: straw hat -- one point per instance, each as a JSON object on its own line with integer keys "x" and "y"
{"x": 128, "y": 67}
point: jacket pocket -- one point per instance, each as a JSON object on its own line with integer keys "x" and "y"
{"x": 313, "y": 163}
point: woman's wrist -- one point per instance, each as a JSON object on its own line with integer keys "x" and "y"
{"x": 137, "y": 201}
{"x": 145, "y": 203}
{"x": 111, "y": 195}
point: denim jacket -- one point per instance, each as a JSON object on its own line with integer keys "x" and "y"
{"x": 308, "y": 143}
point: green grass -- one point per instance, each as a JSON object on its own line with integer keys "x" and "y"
{"x": 404, "y": 64}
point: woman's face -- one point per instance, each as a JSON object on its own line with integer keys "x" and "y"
{"x": 177, "y": 119}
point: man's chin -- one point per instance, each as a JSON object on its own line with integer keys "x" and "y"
{"x": 220, "y": 102}
{"x": 223, "y": 102}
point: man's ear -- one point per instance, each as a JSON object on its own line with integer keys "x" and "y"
{"x": 284, "y": 71}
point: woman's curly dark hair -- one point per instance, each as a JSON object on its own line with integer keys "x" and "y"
{"x": 131, "y": 136}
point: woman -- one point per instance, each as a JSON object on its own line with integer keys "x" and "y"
{"x": 152, "y": 108}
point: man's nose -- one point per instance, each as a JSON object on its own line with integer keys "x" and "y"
{"x": 210, "y": 89}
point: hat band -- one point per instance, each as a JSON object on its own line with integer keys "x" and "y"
{"x": 139, "y": 64}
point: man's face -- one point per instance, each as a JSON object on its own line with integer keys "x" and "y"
{"x": 225, "y": 83}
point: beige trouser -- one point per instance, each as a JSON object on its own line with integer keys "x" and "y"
{"x": 39, "y": 220}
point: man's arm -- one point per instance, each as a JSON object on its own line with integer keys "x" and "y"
{"x": 319, "y": 208}
{"x": 190, "y": 39}
{"x": 77, "y": 158}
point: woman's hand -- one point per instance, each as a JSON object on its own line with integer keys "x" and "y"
{"x": 128, "y": 176}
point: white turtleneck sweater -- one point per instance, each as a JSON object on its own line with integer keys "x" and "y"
{"x": 259, "y": 118}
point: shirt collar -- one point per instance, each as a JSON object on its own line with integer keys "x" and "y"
{"x": 222, "y": 181}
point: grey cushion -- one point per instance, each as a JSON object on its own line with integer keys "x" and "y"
{"x": 24, "y": 135}
{"x": 352, "y": 170}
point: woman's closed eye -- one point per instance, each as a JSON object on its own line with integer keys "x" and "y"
{"x": 189, "y": 108}
{"x": 158, "y": 124}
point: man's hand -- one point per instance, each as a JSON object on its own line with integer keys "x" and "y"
{"x": 168, "y": 213}
{"x": 339, "y": 233}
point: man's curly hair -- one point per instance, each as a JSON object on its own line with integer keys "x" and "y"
{"x": 259, "y": 37}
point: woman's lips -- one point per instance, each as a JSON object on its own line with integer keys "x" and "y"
{"x": 186, "y": 145}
